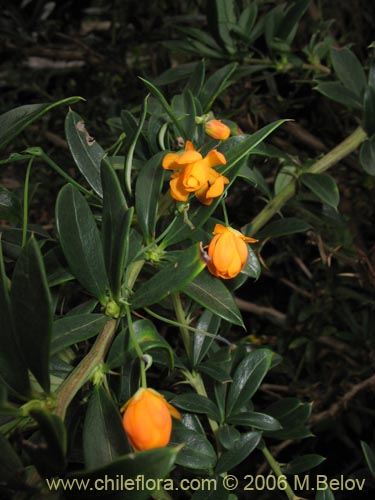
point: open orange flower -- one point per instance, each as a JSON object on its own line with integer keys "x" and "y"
{"x": 195, "y": 174}
{"x": 148, "y": 420}
{"x": 228, "y": 252}
{"x": 217, "y": 129}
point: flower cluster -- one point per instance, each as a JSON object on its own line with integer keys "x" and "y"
{"x": 228, "y": 252}
{"x": 148, "y": 420}
{"x": 195, "y": 174}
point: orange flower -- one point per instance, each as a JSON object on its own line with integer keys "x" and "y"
{"x": 195, "y": 174}
{"x": 217, "y": 129}
{"x": 147, "y": 420}
{"x": 228, "y": 252}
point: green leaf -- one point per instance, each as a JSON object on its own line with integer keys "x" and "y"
{"x": 228, "y": 435}
{"x": 10, "y": 207}
{"x": 292, "y": 415}
{"x": 212, "y": 294}
{"x": 197, "y": 451}
{"x": 150, "y": 465}
{"x": 221, "y": 17}
{"x": 32, "y": 311}
{"x": 104, "y": 438}
{"x": 254, "y": 419}
{"x": 76, "y": 328}
{"x": 13, "y": 369}
{"x": 283, "y": 227}
{"x": 338, "y": 93}
{"x": 49, "y": 456}
{"x": 148, "y": 339}
{"x": 147, "y": 192}
{"x": 115, "y": 228}
{"x": 215, "y": 85}
{"x": 194, "y": 403}
{"x": 247, "y": 378}
{"x": 288, "y": 27}
{"x": 369, "y": 457}
{"x": 80, "y": 241}
{"x": 241, "y": 450}
{"x": 302, "y": 464}
{"x": 369, "y": 110}
{"x": 208, "y": 322}
{"x": 196, "y": 79}
{"x": 13, "y": 122}
{"x": 349, "y": 70}
{"x": 56, "y": 267}
{"x": 252, "y": 267}
{"x": 284, "y": 177}
{"x": 367, "y": 156}
{"x": 87, "y": 153}
{"x": 324, "y": 187}
{"x": 172, "y": 278}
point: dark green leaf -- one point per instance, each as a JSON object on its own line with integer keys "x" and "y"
{"x": 175, "y": 74}
{"x": 147, "y": 191}
{"x": 254, "y": 419}
{"x": 241, "y": 450}
{"x": 228, "y": 435}
{"x": 11, "y": 467}
{"x": 369, "y": 457}
{"x": 367, "y": 156}
{"x": 80, "y": 241}
{"x": 302, "y": 464}
{"x": 247, "y": 378}
{"x": 349, "y": 70}
{"x": 212, "y": 294}
{"x": 32, "y": 311}
{"x": 283, "y": 227}
{"x": 10, "y": 207}
{"x": 201, "y": 343}
{"x": 151, "y": 464}
{"x": 324, "y": 187}
{"x": 369, "y": 110}
{"x": 87, "y": 153}
{"x": 252, "y": 267}
{"x": 49, "y": 455}
{"x": 221, "y": 17}
{"x": 173, "y": 277}
{"x": 215, "y": 85}
{"x": 338, "y": 93}
{"x": 56, "y": 267}
{"x": 194, "y": 403}
{"x": 14, "y": 121}
{"x": 324, "y": 495}
{"x": 76, "y": 328}
{"x": 292, "y": 415}
{"x": 115, "y": 229}
{"x": 289, "y": 24}
{"x": 13, "y": 369}
{"x": 104, "y": 438}
{"x": 196, "y": 79}
{"x": 197, "y": 452}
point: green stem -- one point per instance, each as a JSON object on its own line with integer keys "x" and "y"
{"x": 343, "y": 149}
{"x": 180, "y": 313}
{"x": 277, "y": 470}
{"x": 225, "y": 213}
{"x": 85, "y": 369}
{"x": 137, "y": 347}
{"x": 26, "y": 203}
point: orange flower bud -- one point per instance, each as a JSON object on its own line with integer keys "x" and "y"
{"x": 228, "y": 252}
{"x": 147, "y": 420}
{"x": 217, "y": 130}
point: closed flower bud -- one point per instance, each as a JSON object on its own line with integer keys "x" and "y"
{"x": 148, "y": 420}
{"x": 228, "y": 252}
{"x": 217, "y": 130}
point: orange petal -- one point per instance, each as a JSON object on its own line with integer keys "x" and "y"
{"x": 178, "y": 191}
{"x": 215, "y": 158}
{"x": 188, "y": 157}
{"x": 169, "y": 161}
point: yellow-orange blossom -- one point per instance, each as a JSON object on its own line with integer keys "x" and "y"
{"x": 228, "y": 252}
{"x": 195, "y": 174}
{"x": 148, "y": 420}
